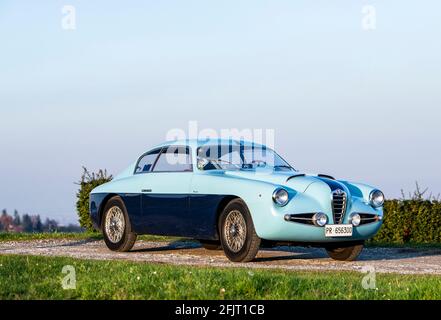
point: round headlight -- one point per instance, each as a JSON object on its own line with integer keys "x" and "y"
{"x": 376, "y": 198}
{"x": 355, "y": 219}
{"x": 320, "y": 219}
{"x": 280, "y": 197}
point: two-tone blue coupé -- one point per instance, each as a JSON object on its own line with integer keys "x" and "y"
{"x": 235, "y": 196}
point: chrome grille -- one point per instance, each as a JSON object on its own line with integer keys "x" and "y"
{"x": 338, "y": 205}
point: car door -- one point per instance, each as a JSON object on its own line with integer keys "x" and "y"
{"x": 165, "y": 193}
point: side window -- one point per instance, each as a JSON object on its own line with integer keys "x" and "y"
{"x": 174, "y": 159}
{"x": 147, "y": 161}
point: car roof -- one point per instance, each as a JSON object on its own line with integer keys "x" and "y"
{"x": 202, "y": 142}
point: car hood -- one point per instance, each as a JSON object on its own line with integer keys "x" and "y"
{"x": 295, "y": 180}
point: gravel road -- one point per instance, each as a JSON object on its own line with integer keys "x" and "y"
{"x": 384, "y": 260}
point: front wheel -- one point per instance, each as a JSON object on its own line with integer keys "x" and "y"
{"x": 346, "y": 253}
{"x": 116, "y": 226}
{"x": 237, "y": 234}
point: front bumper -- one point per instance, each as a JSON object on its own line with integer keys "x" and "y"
{"x": 297, "y": 232}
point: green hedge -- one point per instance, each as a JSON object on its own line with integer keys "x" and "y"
{"x": 414, "y": 221}
{"x": 88, "y": 182}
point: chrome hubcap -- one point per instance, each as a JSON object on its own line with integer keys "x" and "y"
{"x": 115, "y": 224}
{"x": 235, "y": 231}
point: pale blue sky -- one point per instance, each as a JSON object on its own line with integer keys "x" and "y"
{"x": 360, "y": 105}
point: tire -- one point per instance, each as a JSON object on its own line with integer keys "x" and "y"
{"x": 211, "y": 245}
{"x": 117, "y": 230}
{"x": 240, "y": 244}
{"x": 349, "y": 253}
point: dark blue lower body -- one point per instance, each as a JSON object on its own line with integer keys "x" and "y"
{"x": 183, "y": 215}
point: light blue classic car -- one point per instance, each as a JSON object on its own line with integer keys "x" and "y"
{"x": 237, "y": 196}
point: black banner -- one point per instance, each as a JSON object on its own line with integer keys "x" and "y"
{"x": 216, "y": 309}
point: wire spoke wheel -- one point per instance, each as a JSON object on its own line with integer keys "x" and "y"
{"x": 115, "y": 224}
{"x": 235, "y": 230}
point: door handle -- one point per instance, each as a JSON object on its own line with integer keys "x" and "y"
{"x": 146, "y": 190}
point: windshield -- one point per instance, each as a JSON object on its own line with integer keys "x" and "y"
{"x": 232, "y": 157}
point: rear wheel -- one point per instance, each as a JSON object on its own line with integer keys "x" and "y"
{"x": 345, "y": 253}
{"x": 116, "y": 226}
{"x": 238, "y": 236}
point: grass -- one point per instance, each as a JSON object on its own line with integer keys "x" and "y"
{"x": 29, "y": 277}
{"x": 10, "y": 236}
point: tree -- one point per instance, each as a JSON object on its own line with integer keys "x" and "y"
{"x": 38, "y": 226}
{"x": 27, "y": 223}
{"x": 50, "y": 225}
{"x": 5, "y": 220}
{"x": 17, "y": 220}
{"x": 88, "y": 182}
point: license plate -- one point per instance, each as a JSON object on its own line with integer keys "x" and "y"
{"x": 338, "y": 230}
